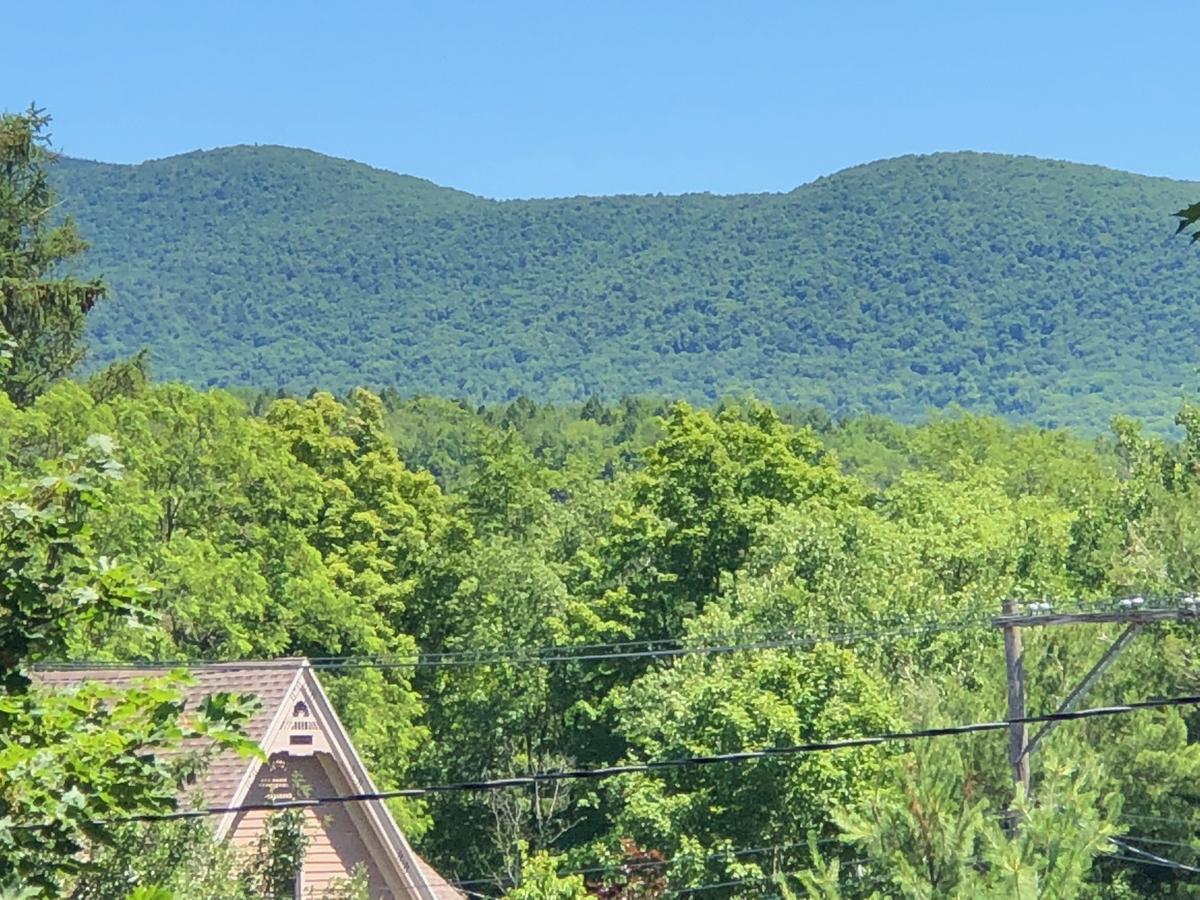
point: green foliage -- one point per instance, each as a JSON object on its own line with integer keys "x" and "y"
{"x": 279, "y": 855}
{"x": 1188, "y": 216}
{"x": 540, "y": 880}
{"x": 150, "y": 893}
{"x": 302, "y": 529}
{"x": 707, "y": 486}
{"x": 302, "y": 533}
{"x": 49, "y": 579}
{"x": 185, "y": 860}
{"x": 356, "y": 887}
{"x": 1043, "y": 291}
{"x": 170, "y": 860}
{"x": 927, "y": 832}
{"x": 43, "y": 314}
{"x": 72, "y": 762}
{"x": 705, "y": 706}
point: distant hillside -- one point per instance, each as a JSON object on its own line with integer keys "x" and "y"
{"x": 1044, "y": 291}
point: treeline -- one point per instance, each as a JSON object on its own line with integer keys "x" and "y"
{"x": 1045, "y": 292}
{"x": 528, "y": 587}
{"x": 302, "y": 530}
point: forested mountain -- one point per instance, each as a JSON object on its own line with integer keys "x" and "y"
{"x": 1043, "y": 291}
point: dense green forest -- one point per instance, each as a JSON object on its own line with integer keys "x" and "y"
{"x": 871, "y": 553}
{"x": 525, "y": 587}
{"x": 1045, "y": 292}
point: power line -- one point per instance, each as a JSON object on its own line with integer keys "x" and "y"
{"x": 1116, "y": 857}
{"x": 665, "y": 764}
{"x": 751, "y": 879}
{"x": 1147, "y": 857}
{"x": 638, "y": 865}
{"x": 779, "y": 643}
{"x": 651, "y": 648}
{"x": 775, "y": 643}
{"x": 1161, "y": 842}
{"x": 1143, "y": 857}
{"x": 1194, "y": 823}
{"x": 562, "y": 654}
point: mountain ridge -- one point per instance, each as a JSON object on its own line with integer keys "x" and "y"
{"x": 232, "y": 148}
{"x": 1045, "y": 291}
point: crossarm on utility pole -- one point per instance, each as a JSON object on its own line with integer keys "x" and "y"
{"x": 1126, "y": 616}
{"x": 1084, "y": 686}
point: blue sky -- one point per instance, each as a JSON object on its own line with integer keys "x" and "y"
{"x": 516, "y": 99}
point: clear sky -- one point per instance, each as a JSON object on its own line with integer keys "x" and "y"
{"x": 518, "y": 99}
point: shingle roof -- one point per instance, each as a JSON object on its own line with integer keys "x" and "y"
{"x": 272, "y": 682}
{"x": 440, "y": 887}
{"x": 269, "y": 681}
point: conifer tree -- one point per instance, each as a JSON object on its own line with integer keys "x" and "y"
{"x": 42, "y": 306}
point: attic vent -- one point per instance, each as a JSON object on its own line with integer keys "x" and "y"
{"x": 300, "y": 739}
{"x": 300, "y": 710}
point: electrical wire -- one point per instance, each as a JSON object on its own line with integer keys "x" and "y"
{"x": 753, "y": 879}
{"x": 561, "y": 654}
{"x": 639, "y": 865}
{"x": 1143, "y": 857}
{"x": 666, "y": 764}
{"x": 653, "y": 648}
{"x": 1194, "y": 823}
{"x": 1166, "y": 864}
{"x": 1162, "y": 842}
{"x": 653, "y": 863}
{"x": 1147, "y": 856}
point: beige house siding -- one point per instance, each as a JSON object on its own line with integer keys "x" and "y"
{"x": 338, "y": 838}
{"x": 298, "y": 731}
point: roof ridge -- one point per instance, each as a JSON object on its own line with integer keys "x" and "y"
{"x": 280, "y": 662}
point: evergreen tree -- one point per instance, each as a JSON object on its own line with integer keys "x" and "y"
{"x": 42, "y": 311}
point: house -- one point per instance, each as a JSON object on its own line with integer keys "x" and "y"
{"x": 304, "y": 743}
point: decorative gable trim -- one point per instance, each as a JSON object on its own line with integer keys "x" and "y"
{"x": 301, "y": 731}
{"x": 252, "y": 766}
{"x": 320, "y": 722}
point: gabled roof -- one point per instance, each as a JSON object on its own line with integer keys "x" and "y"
{"x": 279, "y": 685}
{"x": 272, "y": 682}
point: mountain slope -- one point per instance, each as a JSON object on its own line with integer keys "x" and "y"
{"x": 1045, "y": 291}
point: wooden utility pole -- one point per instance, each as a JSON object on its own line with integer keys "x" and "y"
{"x": 1132, "y": 615}
{"x": 1014, "y": 665}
